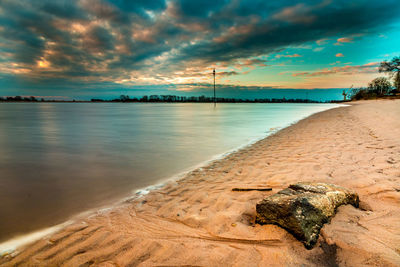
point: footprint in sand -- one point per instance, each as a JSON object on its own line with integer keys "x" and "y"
{"x": 317, "y": 167}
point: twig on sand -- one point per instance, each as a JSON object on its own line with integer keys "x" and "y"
{"x": 252, "y": 189}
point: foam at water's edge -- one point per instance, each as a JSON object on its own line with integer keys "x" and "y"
{"x": 10, "y": 246}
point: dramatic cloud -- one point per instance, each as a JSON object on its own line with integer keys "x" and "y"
{"x": 170, "y": 41}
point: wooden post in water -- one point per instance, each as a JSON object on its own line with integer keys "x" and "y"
{"x": 344, "y": 95}
{"x": 215, "y": 100}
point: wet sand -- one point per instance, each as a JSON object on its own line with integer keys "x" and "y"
{"x": 200, "y": 221}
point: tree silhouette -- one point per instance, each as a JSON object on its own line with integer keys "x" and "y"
{"x": 380, "y": 86}
{"x": 393, "y": 69}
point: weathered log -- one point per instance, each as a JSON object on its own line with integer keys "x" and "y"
{"x": 303, "y": 208}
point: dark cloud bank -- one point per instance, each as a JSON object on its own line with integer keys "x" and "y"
{"x": 97, "y": 42}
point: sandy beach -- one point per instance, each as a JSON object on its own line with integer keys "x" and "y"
{"x": 200, "y": 221}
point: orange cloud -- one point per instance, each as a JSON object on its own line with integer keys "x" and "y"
{"x": 290, "y": 56}
{"x": 144, "y": 35}
{"x": 343, "y": 40}
{"x": 346, "y": 70}
{"x": 250, "y": 63}
{"x": 43, "y": 63}
{"x": 339, "y": 55}
{"x": 321, "y": 41}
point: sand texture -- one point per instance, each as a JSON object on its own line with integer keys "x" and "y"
{"x": 200, "y": 221}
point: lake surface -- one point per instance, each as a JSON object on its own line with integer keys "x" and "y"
{"x": 60, "y": 159}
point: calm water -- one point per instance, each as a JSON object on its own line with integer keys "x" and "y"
{"x": 59, "y": 159}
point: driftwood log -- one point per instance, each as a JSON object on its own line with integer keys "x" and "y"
{"x": 302, "y": 209}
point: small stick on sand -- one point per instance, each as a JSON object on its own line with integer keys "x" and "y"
{"x": 252, "y": 189}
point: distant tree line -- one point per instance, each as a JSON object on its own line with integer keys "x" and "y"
{"x": 167, "y": 99}
{"x": 21, "y": 99}
{"x": 201, "y": 99}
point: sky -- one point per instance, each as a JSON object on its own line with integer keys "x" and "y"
{"x": 79, "y": 49}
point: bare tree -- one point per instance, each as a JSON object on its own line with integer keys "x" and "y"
{"x": 393, "y": 69}
{"x": 380, "y": 86}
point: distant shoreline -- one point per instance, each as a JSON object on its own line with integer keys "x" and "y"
{"x": 178, "y": 99}
{"x": 166, "y": 99}
{"x": 238, "y": 101}
{"x": 249, "y": 102}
